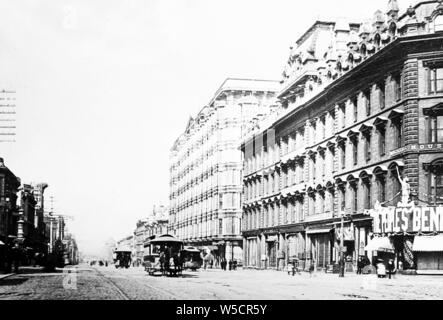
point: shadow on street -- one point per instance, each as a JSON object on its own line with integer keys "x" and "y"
{"x": 12, "y": 282}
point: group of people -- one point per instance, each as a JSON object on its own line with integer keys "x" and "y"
{"x": 170, "y": 262}
{"x": 362, "y": 262}
{"x": 231, "y": 264}
{"x": 382, "y": 268}
{"x": 11, "y": 258}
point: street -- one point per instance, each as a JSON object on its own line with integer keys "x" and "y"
{"x": 107, "y": 283}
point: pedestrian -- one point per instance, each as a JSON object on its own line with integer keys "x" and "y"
{"x": 234, "y": 265}
{"x": 360, "y": 265}
{"x": 230, "y": 265}
{"x": 311, "y": 268}
{"x": 391, "y": 267}
{"x": 223, "y": 264}
{"x": 162, "y": 262}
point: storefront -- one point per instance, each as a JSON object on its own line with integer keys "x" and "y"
{"x": 348, "y": 243}
{"x": 429, "y": 254}
{"x": 320, "y": 246}
{"x": 380, "y": 249}
{"x": 414, "y": 233}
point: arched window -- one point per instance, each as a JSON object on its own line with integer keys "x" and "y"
{"x": 363, "y": 50}
{"x": 393, "y": 29}
{"x": 436, "y": 182}
{"x": 377, "y": 40}
{"x": 351, "y": 60}
{"x": 339, "y": 66}
{"x": 438, "y": 23}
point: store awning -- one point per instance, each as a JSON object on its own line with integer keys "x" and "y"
{"x": 315, "y": 231}
{"x": 380, "y": 244}
{"x": 428, "y": 243}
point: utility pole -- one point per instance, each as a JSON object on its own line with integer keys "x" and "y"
{"x": 51, "y": 224}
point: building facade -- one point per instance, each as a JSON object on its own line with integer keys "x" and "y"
{"x": 360, "y": 113}
{"x": 139, "y": 241}
{"x": 205, "y": 167}
{"x": 8, "y": 116}
{"x": 9, "y": 185}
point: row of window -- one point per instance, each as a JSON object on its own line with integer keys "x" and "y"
{"x": 353, "y": 196}
{"x": 214, "y": 227}
{"x": 350, "y": 199}
{"x": 222, "y": 201}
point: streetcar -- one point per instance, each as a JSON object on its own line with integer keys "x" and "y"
{"x": 122, "y": 257}
{"x": 162, "y": 255}
{"x": 191, "y": 258}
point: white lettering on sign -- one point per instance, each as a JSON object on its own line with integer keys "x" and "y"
{"x": 416, "y": 219}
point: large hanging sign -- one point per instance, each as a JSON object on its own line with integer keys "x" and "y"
{"x": 407, "y": 219}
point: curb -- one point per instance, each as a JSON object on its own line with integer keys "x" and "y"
{"x": 4, "y": 276}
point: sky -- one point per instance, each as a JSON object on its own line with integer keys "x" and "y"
{"x": 104, "y": 88}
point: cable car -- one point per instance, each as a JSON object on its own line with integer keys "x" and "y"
{"x": 122, "y": 257}
{"x": 162, "y": 255}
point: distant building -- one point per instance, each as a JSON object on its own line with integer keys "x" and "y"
{"x": 8, "y": 115}
{"x": 55, "y": 229}
{"x": 205, "y": 166}
{"x": 158, "y": 222}
{"x": 139, "y": 241}
{"x": 71, "y": 253}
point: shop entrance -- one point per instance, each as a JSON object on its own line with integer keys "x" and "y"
{"x": 272, "y": 254}
{"x": 321, "y": 249}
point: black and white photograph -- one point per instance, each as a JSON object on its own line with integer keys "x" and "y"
{"x": 237, "y": 151}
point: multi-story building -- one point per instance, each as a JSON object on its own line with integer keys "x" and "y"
{"x": 71, "y": 254}
{"x": 158, "y": 222}
{"x": 205, "y": 166}
{"x": 8, "y": 116}
{"x": 55, "y": 229}
{"x": 361, "y": 105}
{"x": 9, "y": 185}
{"x": 139, "y": 241}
